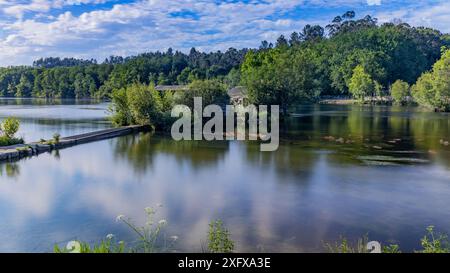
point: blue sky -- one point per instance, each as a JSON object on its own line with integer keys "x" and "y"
{"x": 30, "y": 29}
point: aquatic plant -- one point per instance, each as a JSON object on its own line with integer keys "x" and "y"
{"x": 219, "y": 238}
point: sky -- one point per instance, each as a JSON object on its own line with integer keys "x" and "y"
{"x": 31, "y": 29}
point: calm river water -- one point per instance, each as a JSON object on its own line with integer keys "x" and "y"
{"x": 340, "y": 170}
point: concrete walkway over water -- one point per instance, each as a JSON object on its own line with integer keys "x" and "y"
{"x": 19, "y": 151}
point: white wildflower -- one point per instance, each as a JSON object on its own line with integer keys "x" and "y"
{"x": 120, "y": 217}
{"x": 162, "y": 222}
{"x": 149, "y": 210}
{"x": 174, "y": 237}
{"x": 110, "y": 236}
{"x": 74, "y": 247}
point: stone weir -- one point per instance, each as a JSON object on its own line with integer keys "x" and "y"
{"x": 19, "y": 151}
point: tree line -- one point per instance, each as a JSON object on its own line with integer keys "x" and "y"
{"x": 76, "y": 78}
{"x": 358, "y": 58}
{"x": 349, "y": 56}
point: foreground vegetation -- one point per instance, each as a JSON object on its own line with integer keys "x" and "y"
{"x": 432, "y": 242}
{"x": 150, "y": 239}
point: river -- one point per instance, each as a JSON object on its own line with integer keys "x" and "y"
{"x": 340, "y": 171}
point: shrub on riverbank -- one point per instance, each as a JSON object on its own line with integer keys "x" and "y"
{"x": 136, "y": 104}
{"x": 142, "y": 104}
{"x": 433, "y": 88}
{"x": 9, "y": 128}
{"x": 6, "y": 141}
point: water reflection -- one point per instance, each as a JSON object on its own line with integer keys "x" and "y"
{"x": 41, "y": 118}
{"x": 313, "y": 189}
{"x": 10, "y": 170}
{"x": 140, "y": 150}
{"x": 396, "y": 132}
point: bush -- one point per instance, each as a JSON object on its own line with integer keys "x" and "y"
{"x": 144, "y": 104}
{"x": 6, "y": 141}
{"x": 136, "y": 104}
{"x": 10, "y": 126}
{"x": 400, "y": 92}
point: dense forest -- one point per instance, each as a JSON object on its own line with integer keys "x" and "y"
{"x": 349, "y": 56}
{"x": 74, "y": 78}
{"x": 357, "y": 57}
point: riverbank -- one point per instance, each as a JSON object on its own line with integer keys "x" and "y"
{"x": 19, "y": 151}
{"x": 350, "y": 101}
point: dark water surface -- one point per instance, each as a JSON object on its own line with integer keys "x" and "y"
{"x": 342, "y": 170}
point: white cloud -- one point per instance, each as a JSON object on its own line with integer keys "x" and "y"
{"x": 146, "y": 25}
{"x": 18, "y": 9}
{"x": 373, "y": 2}
{"x": 435, "y": 16}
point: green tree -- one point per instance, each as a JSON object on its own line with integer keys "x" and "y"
{"x": 282, "y": 76}
{"x": 400, "y": 91}
{"x": 24, "y": 87}
{"x": 136, "y": 104}
{"x": 119, "y": 108}
{"x": 211, "y": 92}
{"x": 361, "y": 84}
{"x": 144, "y": 103}
{"x": 432, "y": 89}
